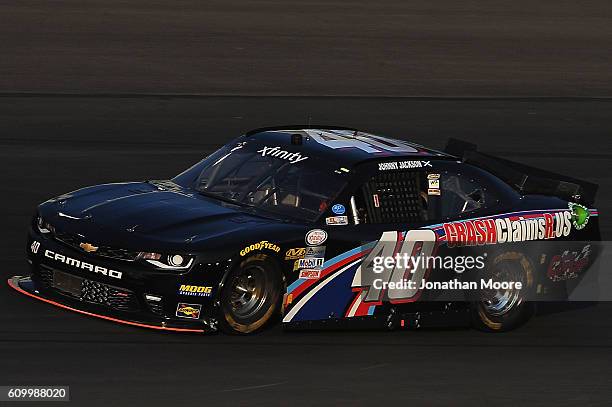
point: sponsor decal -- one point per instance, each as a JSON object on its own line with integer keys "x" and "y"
{"x": 337, "y": 220}
{"x": 318, "y": 251}
{"x": 295, "y": 253}
{"x": 287, "y": 300}
{"x": 192, "y": 311}
{"x": 88, "y": 247}
{"x": 402, "y": 165}
{"x": 310, "y": 274}
{"x": 314, "y": 258}
{"x": 504, "y": 230}
{"x": 264, "y": 244}
{"x": 81, "y": 265}
{"x": 338, "y": 209}
{"x": 568, "y": 265}
{"x": 433, "y": 184}
{"x": 35, "y": 246}
{"x": 580, "y": 215}
{"x": 316, "y": 237}
{"x": 195, "y": 290}
{"x": 311, "y": 263}
{"x": 292, "y": 157}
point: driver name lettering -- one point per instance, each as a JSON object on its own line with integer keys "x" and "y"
{"x": 402, "y": 165}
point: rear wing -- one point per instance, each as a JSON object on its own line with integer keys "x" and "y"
{"x": 523, "y": 178}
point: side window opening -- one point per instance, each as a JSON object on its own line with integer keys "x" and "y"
{"x": 461, "y": 195}
{"x": 419, "y": 196}
{"x": 392, "y": 197}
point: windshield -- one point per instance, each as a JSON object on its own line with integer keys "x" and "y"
{"x": 274, "y": 178}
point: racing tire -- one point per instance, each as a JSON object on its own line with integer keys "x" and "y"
{"x": 251, "y": 296}
{"x": 505, "y": 309}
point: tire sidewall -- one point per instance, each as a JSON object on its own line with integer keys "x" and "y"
{"x": 516, "y": 316}
{"x": 228, "y": 322}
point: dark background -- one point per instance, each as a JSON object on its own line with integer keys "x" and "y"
{"x": 103, "y": 91}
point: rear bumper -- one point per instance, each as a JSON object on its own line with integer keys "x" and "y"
{"x": 26, "y": 286}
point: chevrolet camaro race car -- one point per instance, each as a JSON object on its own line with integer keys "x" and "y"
{"x": 318, "y": 227}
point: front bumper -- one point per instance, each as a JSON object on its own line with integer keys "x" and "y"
{"x": 26, "y": 286}
{"x": 133, "y": 295}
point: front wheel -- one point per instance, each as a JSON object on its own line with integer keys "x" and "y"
{"x": 504, "y": 309}
{"x": 251, "y": 295}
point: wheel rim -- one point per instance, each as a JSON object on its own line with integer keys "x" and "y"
{"x": 500, "y": 301}
{"x": 248, "y": 292}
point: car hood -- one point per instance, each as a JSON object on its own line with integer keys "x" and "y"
{"x": 157, "y": 212}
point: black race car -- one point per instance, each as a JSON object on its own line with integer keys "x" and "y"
{"x": 319, "y": 227}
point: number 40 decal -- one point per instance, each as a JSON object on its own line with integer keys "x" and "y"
{"x": 365, "y": 142}
{"x": 416, "y": 243}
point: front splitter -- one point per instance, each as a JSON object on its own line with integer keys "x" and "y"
{"x": 24, "y": 285}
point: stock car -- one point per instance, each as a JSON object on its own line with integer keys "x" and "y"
{"x": 296, "y": 223}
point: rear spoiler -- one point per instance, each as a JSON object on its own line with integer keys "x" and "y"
{"x": 523, "y": 178}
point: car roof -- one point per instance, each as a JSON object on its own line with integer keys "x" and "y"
{"x": 342, "y": 144}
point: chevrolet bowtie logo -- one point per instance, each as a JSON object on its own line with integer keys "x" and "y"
{"x": 88, "y": 247}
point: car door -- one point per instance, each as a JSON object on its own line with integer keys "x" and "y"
{"x": 378, "y": 211}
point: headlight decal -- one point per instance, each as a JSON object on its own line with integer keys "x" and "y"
{"x": 168, "y": 262}
{"x": 43, "y": 226}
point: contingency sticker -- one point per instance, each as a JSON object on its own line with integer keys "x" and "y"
{"x": 433, "y": 184}
{"x": 336, "y": 220}
{"x": 338, "y": 209}
{"x": 310, "y": 274}
{"x": 192, "y": 311}
{"x": 195, "y": 290}
{"x": 316, "y": 237}
{"x": 295, "y": 253}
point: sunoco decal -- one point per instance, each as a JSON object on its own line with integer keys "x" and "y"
{"x": 192, "y": 311}
{"x": 505, "y": 230}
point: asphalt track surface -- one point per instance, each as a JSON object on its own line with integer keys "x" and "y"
{"x": 308, "y": 47}
{"x": 96, "y": 91}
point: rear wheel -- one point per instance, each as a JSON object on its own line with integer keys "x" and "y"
{"x": 251, "y": 295}
{"x": 504, "y": 309}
